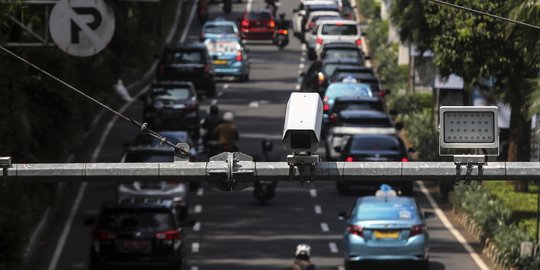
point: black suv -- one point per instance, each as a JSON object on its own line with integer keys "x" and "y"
{"x": 138, "y": 234}
{"x": 189, "y": 62}
{"x": 172, "y": 106}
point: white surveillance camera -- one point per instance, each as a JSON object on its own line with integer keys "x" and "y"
{"x": 302, "y": 129}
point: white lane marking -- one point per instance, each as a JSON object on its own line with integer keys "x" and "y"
{"x": 200, "y": 191}
{"x": 254, "y": 104}
{"x": 324, "y": 227}
{"x": 198, "y": 208}
{"x": 219, "y": 94}
{"x": 297, "y": 87}
{"x": 476, "y": 258}
{"x": 318, "y": 209}
{"x": 302, "y": 59}
{"x": 301, "y": 67}
{"x": 299, "y": 80}
{"x": 248, "y": 6}
{"x": 194, "y": 268}
{"x": 226, "y": 86}
{"x": 195, "y": 247}
{"x": 341, "y": 268}
{"x": 304, "y": 47}
{"x": 188, "y": 24}
{"x": 333, "y": 247}
{"x": 197, "y": 227}
{"x": 313, "y": 193}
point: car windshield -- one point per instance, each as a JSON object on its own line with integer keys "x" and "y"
{"x": 145, "y": 220}
{"x": 381, "y": 143}
{"x": 350, "y": 89}
{"x": 219, "y": 29}
{"x": 171, "y": 93}
{"x": 385, "y": 211}
{"x": 341, "y": 53}
{"x": 339, "y": 29}
{"x": 258, "y": 15}
{"x": 187, "y": 56}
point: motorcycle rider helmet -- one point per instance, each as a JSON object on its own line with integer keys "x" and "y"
{"x": 214, "y": 109}
{"x": 228, "y": 116}
{"x": 303, "y": 251}
{"x": 282, "y": 16}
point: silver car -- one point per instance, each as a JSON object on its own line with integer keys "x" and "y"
{"x": 337, "y": 30}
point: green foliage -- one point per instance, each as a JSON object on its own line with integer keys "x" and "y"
{"x": 369, "y": 8}
{"x": 393, "y": 75}
{"x": 409, "y": 16}
{"x": 377, "y": 34}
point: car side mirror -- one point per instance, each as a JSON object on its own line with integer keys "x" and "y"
{"x": 398, "y": 126}
{"x": 429, "y": 215}
{"x": 90, "y": 222}
{"x": 343, "y": 215}
{"x": 337, "y": 149}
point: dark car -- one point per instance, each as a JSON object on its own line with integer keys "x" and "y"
{"x": 172, "y": 106}
{"x": 138, "y": 233}
{"x": 257, "y": 25}
{"x": 361, "y": 75}
{"x": 376, "y": 148}
{"x": 340, "y": 50}
{"x": 316, "y": 79}
{"x": 188, "y": 62}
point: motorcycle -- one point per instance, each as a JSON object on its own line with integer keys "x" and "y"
{"x": 265, "y": 190}
{"x": 227, "y": 6}
{"x": 281, "y": 38}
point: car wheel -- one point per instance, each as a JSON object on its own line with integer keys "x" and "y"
{"x": 423, "y": 265}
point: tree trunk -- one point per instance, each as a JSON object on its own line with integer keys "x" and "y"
{"x": 519, "y": 141}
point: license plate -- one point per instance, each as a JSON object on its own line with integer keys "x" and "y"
{"x": 386, "y": 234}
{"x": 220, "y": 62}
{"x": 139, "y": 246}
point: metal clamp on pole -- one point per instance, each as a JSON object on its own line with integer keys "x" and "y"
{"x": 469, "y": 161}
{"x": 230, "y": 171}
{"x": 303, "y": 163}
{"x": 5, "y": 163}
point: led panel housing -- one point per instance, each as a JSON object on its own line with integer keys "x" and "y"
{"x": 468, "y": 127}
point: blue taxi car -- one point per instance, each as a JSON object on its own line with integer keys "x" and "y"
{"x": 219, "y": 28}
{"x": 229, "y": 58}
{"x": 386, "y": 228}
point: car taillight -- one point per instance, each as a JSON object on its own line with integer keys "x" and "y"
{"x": 168, "y": 235}
{"x": 349, "y": 159}
{"x": 104, "y": 235}
{"x": 325, "y": 99}
{"x": 381, "y": 93}
{"x": 283, "y": 32}
{"x": 271, "y": 24}
{"x": 356, "y": 230}
{"x": 326, "y": 107}
{"x": 404, "y": 159}
{"x": 333, "y": 117}
{"x": 417, "y": 229}
{"x": 320, "y": 78}
{"x": 319, "y": 41}
{"x": 207, "y": 68}
{"x": 359, "y": 42}
{"x": 239, "y": 56}
{"x": 339, "y": 24}
{"x": 245, "y": 23}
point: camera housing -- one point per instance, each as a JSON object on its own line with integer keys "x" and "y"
{"x": 302, "y": 128}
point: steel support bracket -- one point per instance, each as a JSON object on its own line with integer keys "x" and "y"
{"x": 469, "y": 161}
{"x": 303, "y": 163}
{"x": 231, "y": 171}
{"x": 5, "y": 163}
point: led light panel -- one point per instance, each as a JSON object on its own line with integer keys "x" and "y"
{"x": 469, "y": 127}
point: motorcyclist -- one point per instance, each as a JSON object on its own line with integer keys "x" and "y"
{"x": 226, "y": 133}
{"x": 302, "y": 256}
{"x": 271, "y": 4}
{"x": 202, "y": 10}
{"x": 210, "y": 122}
{"x": 281, "y": 23}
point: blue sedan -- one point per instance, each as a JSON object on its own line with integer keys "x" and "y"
{"x": 386, "y": 227}
{"x": 219, "y": 28}
{"x": 229, "y": 58}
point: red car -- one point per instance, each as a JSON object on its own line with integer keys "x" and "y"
{"x": 257, "y": 25}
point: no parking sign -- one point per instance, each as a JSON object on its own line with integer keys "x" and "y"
{"x": 81, "y": 27}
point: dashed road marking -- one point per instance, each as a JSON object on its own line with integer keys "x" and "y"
{"x": 226, "y": 86}
{"x": 198, "y": 208}
{"x": 197, "y": 268}
{"x": 219, "y": 93}
{"x": 254, "y": 104}
{"x": 313, "y": 193}
{"x": 195, "y": 247}
{"x": 200, "y": 191}
{"x": 324, "y": 227}
{"x": 333, "y": 247}
{"x": 318, "y": 209}
{"x": 197, "y": 227}
{"x": 341, "y": 268}
{"x": 299, "y": 80}
{"x": 301, "y": 66}
{"x": 302, "y": 59}
{"x": 297, "y": 87}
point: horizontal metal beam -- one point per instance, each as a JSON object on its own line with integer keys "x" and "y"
{"x": 249, "y": 171}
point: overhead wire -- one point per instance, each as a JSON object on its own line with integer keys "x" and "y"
{"x": 142, "y": 127}
{"x": 485, "y": 14}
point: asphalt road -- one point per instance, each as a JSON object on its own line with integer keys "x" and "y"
{"x": 232, "y": 230}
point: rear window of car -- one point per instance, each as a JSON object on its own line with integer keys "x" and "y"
{"x": 385, "y": 211}
{"x": 360, "y": 106}
{"x": 341, "y": 54}
{"x": 367, "y": 121}
{"x": 346, "y": 90}
{"x": 173, "y": 93}
{"x": 183, "y": 56}
{"x": 223, "y": 46}
{"x": 386, "y": 143}
{"x": 219, "y": 29}
{"x": 339, "y": 29}
{"x": 258, "y": 15}
{"x": 329, "y": 68}
{"x": 144, "y": 220}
